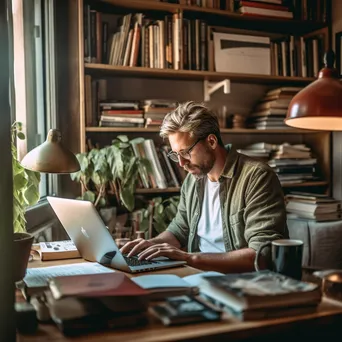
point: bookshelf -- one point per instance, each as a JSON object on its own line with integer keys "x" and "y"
{"x": 320, "y": 142}
{"x": 105, "y": 69}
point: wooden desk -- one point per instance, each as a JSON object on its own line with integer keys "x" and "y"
{"x": 325, "y": 323}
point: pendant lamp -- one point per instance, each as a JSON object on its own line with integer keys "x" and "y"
{"x": 318, "y": 106}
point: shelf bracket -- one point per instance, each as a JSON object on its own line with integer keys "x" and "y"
{"x": 211, "y": 87}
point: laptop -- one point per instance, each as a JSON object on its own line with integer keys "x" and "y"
{"x": 90, "y": 235}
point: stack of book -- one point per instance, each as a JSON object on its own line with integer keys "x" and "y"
{"x": 270, "y": 111}
{"x": 156, "y": 109}
{"x": 261, "y": 150}
{"x": 264, "y": 8}
{"x": 317, "y": 207}
{"x": 115, "y": 113}
{"x": 293, "y": 163}
{"x": 79, "y": 304}
{"x": 258, "y": 295}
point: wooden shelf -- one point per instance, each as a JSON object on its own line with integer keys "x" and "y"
{"x": 225, "y": 130}
{"x": 216, "y": 16}
{"x": 157, "y": 191}
{"x": 138, "y": 72}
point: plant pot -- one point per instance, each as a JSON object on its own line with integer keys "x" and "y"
{"x": 22, "y": 246}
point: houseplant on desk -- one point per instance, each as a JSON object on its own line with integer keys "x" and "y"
{"x": 25, "y": 193}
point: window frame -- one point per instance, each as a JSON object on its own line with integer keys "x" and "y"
{"x": 38, "y": 110}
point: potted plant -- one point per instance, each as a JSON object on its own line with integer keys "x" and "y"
{"x": 111, "y": 170}
{"x": 25, "y": 193}
{"x": 162, "y": 211}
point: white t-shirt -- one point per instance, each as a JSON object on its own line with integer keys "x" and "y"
{"x": 209, "y": 229}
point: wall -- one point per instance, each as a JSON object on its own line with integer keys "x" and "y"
{"x": 7, "y": 322}
{"x": 337, "y": 136}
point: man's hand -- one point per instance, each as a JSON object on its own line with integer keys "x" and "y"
{"x": 136, "y": 246}
{"x": 164, "y": 249}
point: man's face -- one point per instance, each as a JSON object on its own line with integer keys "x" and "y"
{"x": 202, "y": 156}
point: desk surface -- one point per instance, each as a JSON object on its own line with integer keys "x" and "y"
{"x": 327, "y": 319}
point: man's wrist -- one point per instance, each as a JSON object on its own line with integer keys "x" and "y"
{"x": 192, "y": 259}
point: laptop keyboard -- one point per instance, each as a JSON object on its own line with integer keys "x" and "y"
{"x": 134, "y": 261}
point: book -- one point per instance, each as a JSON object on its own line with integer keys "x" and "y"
{"x": 259, "y": 290}
{"x": 313, "y": 208}
{"x": 310, "y": 197}
{"x": 161, "y": 286}
{"x": 36, "y": 279}
{"x": 185, "y": 309}
{"x": 336, "y": 216}
{"x": 57, "y": 250}
{"x": 259, "y": 314}
{"x": 114, "y": 291}
{"x": 76, "y": 316}
{"x": 95, "y": 285}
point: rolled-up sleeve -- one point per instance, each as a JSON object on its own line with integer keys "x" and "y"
{"x": 265, "y": 212}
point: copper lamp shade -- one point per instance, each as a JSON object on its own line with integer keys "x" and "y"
{"x": 51, "y": 156}
{"x": 319, "y": 105}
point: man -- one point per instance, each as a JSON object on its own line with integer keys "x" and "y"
{"x": 230, "y": 204}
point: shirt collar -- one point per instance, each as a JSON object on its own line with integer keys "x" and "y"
{"x": 230, "y": 164}
{"x": 231, "y": 161}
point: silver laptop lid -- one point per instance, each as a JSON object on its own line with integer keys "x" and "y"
{"x": 87, "y": 230}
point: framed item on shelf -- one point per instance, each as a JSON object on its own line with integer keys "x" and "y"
{"x": 338, "y": 47}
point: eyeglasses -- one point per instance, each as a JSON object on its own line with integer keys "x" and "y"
{"x": 185, "y": 154}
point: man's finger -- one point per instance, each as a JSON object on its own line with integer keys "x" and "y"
{"x": 137, "y": 248}
{"x": 128, "y": 246}
{"x": 153, "y": 254}
{"x": 147, "y": 252}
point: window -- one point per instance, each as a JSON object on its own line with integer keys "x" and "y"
{"x": 34, "y": 84}
{"x": 34, "y": 91}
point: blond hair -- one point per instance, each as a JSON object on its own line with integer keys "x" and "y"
{"x": 193, "y": 118}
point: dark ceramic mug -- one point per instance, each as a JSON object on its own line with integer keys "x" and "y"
{"x": 287, "y": 257}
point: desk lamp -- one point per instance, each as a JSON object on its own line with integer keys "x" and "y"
{"x": 318, "y": 106}
{"x": 51, "y": 156}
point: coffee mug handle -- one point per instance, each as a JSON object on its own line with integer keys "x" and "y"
{"x": 256, "y": 260}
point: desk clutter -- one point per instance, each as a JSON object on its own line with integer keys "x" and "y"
{"x": 82, "y": 303}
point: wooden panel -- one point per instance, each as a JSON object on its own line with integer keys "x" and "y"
{"x": 69, "y": 78}
{"x": 105, "y": 70}
{"x": 225, "y": 130}
{"x": 321, "y": 147}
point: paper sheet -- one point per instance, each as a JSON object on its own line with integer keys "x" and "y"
{"x": 38, "y": 277}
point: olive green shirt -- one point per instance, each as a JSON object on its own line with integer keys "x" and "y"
{"x": 252, "y": 206}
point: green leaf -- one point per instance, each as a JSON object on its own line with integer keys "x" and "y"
{"x": 89, "y": 196}
{"x": 127, "y": 198}
{"x": 159, "y": 209}
{"x": 157, "y": 200}
{"x": 122, "y": 138}
{"x": 31, "y": 195}
{"x": 21, "y": 135}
